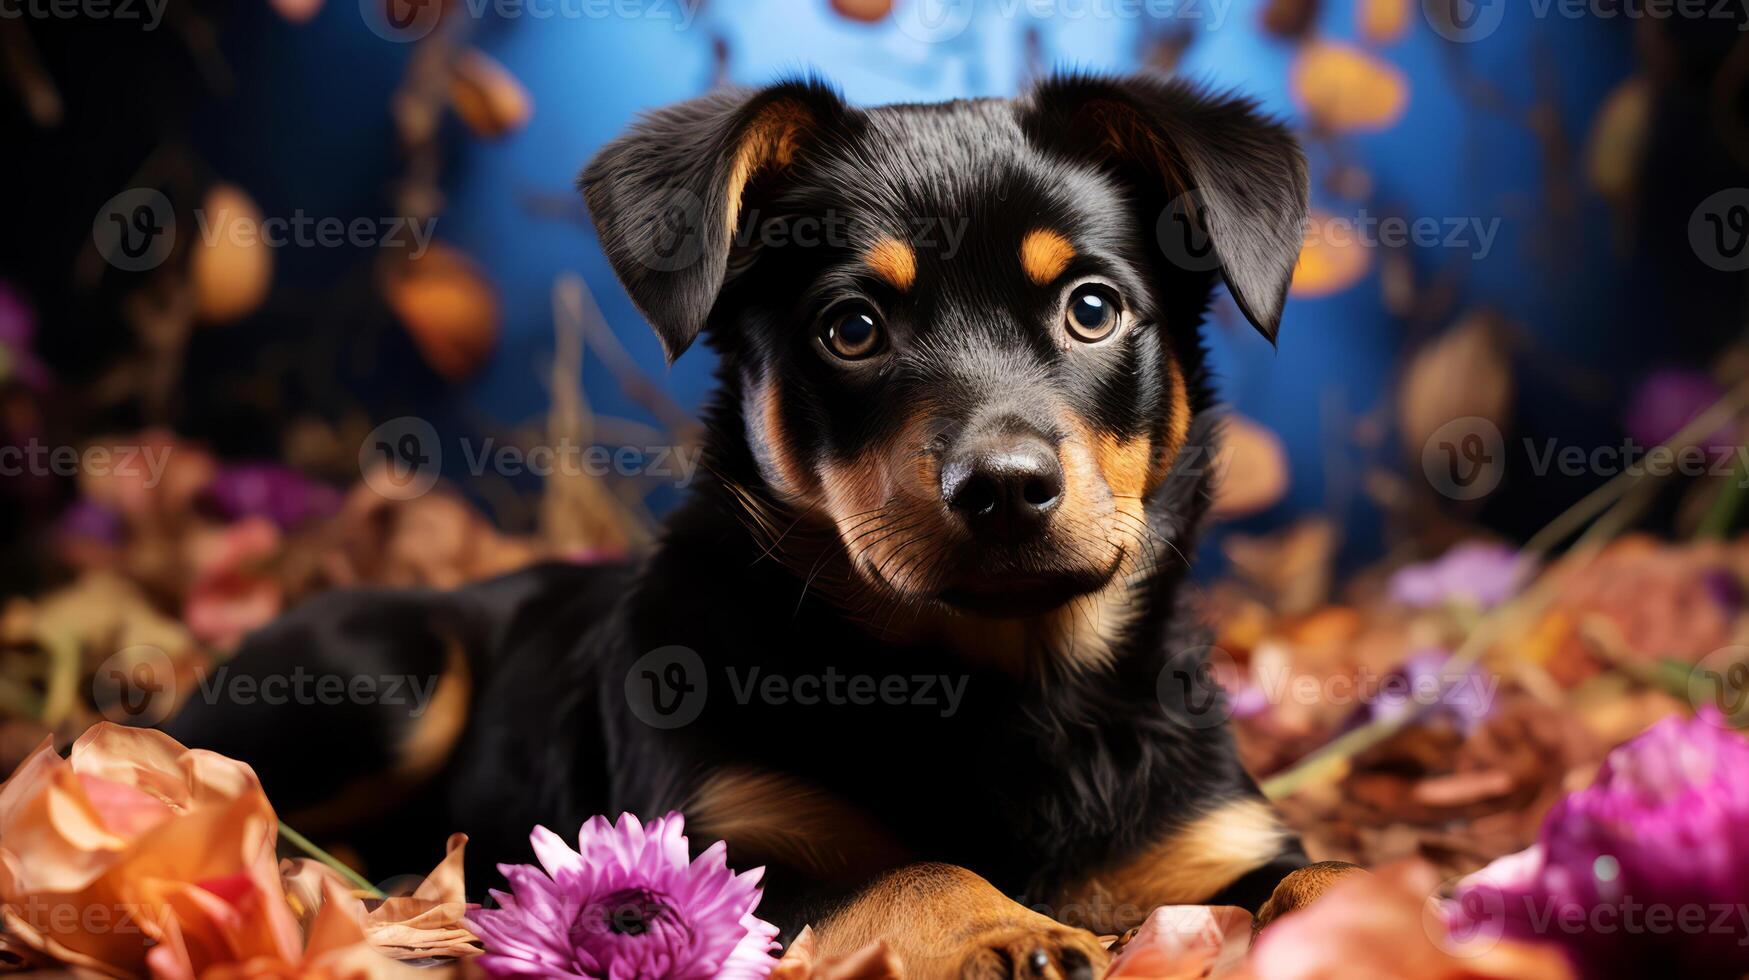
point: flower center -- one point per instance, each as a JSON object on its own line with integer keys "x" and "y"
{"x": 632, "y": 918}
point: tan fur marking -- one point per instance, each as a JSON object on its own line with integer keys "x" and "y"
{"x": 893, "y": 261}
{"x": 771, "y": 816}
{"x": 428, "y": 744}
{"x": 772, "y": 444}
{"x": 1044, "y": 254}
{"x": 771, "y": 140}
{"x": 1178, "y": 427}
{"x": 1126, "y": 463}
{"x": 1192, "y": 864}
{"x": 421, "y": 752}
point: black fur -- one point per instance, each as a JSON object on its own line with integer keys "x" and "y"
{"x": 1052, "y": 767}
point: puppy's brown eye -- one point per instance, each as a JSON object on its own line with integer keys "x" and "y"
{"x": 1093, "y": 313}
{"x": 852, "y": 333}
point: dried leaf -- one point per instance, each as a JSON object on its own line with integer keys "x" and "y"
{"x": 1618, "y": 138}
{"x": 864, "y": 11}
{"x": 1343, "y": 88}
{"x": 1464, "y": 373}
{"x": 231, "y": 268}
{"x": 486, "y": 96}
{"x": 1383, "y": 21}
{"x": 1332, "y": 258}
{"x": 1251, "y": 469}
{"x": 448, "y": 307}
{"x": 297, "y": 11}
{"x": 1292, "y": 566}
{"x": 1291, "y": 19}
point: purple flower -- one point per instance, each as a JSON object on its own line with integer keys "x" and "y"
{"x": 17, "y": 331}
{"x": 1422, "y": 681}
{"x": 1670, "y": 399}
{"x": 1476, "y": 574}
{"x": 628, "y": 903}
{"x": 90, "y": 520}
{"x": 1645, "y": 872}
{"x": 279, "y": 493}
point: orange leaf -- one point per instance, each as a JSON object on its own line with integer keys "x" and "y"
{"x": 232, "y": 267}
{"x": 1383, "y": 21}
{"x": 1332, "y": 259}
{"x": 452, "y": 312}
{"x": 1344, "y": 88}
{"x": 486, "y": 96}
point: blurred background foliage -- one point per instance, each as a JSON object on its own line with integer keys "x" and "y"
{"x": 1574, "y": 150}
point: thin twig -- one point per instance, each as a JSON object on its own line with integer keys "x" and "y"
{"x": 308, "y": 847}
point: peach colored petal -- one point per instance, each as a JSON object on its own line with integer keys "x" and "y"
{"x": 124, "y": 811}
{"x": 801, "y": 961}
{"x": 428, "y": 922}
{"x": 56, "y": 840}
{"x": 1185, "y": 941}
{"x": 27, "y": 780}
{"x": 1373, "y": 927}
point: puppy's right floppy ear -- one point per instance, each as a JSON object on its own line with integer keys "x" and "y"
{"x": 666, "y": 197}
{"x": 1210, "y": 153}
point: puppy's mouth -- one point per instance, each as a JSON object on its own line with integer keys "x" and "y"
{"x": 1017, "y": 595}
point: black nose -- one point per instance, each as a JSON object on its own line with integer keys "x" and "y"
{"x": 1003, "y": 486}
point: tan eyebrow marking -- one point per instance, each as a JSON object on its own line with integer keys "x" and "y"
{"x": 893, "y": 261}
{"x": 1044, "y": 254}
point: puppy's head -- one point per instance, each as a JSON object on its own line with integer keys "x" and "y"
{"x": 961, "y": 337}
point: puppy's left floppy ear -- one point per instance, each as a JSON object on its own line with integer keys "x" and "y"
{"x": 1190, "y": 150}
{"x": 666, "y": 197}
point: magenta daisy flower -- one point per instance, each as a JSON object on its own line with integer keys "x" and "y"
{"x": 628, "y": 904}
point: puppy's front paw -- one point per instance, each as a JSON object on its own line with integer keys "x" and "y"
{"x": 1050, "y": 952}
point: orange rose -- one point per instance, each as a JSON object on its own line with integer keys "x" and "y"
{"x": 137, "y": 845}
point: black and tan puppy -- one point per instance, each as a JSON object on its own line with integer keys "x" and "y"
{"x": 955, "y": 466}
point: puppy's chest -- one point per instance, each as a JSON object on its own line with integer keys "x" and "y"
{"x": 981, "y": 786}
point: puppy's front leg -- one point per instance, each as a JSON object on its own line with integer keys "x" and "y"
{"x": 945, "y": 921}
